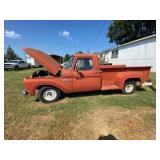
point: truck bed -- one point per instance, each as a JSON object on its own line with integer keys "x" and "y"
{"x": 112, "y": 75}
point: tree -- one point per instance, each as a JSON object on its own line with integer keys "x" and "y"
{"x": 5, "y": 58}
{"x": 79, "y": 52}
{"x": 66, "y": 57}
{"x": 123, "y": 31}
{"x": 10, "y": 54}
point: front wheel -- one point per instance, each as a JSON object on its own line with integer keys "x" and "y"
{"x": 129, "y": 87}
{"x": 49, "y": 94}
{"x": 16, "y": 67}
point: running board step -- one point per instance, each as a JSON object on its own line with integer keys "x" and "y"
{"x": 109, "y": 87}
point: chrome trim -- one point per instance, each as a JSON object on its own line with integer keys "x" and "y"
{"x": 147, "y": 84}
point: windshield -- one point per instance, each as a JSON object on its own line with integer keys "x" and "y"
{"x": 13, "y": 61}
{"x": 68, "y": 64}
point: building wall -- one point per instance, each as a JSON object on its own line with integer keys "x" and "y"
{"x": 58, "y": 58}
{"x": 140, "y": 53}
{"x": 32, "y": 61}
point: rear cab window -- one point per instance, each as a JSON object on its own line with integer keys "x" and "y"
{"x": 84, "y": 64}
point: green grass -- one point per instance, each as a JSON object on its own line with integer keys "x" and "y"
{"x": 54, "y": 121}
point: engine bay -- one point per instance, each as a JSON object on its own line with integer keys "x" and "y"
{"x": 41, "y": 73}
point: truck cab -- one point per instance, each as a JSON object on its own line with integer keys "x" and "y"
{"x": 85, "y": 72}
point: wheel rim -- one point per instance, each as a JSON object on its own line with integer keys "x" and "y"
{"x": 49, "y": 94}
{"x": 129, "y": 88}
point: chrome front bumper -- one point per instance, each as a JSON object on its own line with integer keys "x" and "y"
{"x": 8, "y": 67}
{"x": 24, "y": 92}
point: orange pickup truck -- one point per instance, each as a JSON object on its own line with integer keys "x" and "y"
{"x": 82, "y": 73}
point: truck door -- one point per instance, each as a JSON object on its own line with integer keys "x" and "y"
{"x": 25, "y": 65}
{"x": 20, "y": 64}
{"x": 85, "y": 76}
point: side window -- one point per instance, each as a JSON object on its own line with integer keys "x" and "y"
{"x": 84, "y": 64}
{"x": 114, "y": 54}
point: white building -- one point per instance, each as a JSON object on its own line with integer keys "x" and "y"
{"x": 141, "y": 52}
{"x": 31, "y": 61}
{"x": 34, "y": 63}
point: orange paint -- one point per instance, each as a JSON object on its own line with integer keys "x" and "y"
{"x": 100, "y": 77}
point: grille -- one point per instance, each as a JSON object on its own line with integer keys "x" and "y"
{"x": 7, "y": 65}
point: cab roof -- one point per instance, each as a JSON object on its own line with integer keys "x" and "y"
{"x": 84, "y": 55}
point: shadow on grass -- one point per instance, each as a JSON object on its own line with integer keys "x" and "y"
{"x": 107, "y": 137}
{"x": 97, "y": 93}
{"x": 84, "y": 94}
{"x": 138, "y": 88}
{"x": 93, "y": 93}
{"x": 152, "y": 88}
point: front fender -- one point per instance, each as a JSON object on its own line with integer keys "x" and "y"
{"x": 31, "y": 84}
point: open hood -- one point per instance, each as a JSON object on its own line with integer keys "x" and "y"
{"x": 43, "y": 59}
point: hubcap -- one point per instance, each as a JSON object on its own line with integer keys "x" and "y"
{"x": 49, "y": 94}
{"x": 129, "y": 88}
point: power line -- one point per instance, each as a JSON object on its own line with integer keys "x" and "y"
{"x": 98, "y": 35}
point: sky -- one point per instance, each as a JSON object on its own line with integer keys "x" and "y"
{"x": 57, "y": 36}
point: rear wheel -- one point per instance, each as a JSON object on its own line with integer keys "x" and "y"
{"x": 49, "y": 94}
{"x": 129, "y": 87}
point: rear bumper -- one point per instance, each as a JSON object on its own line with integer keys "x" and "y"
{"x": 147, "y": 84}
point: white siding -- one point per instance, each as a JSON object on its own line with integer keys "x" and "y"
{"x": 32, "y": 61}
{"x": 139, "y": 53}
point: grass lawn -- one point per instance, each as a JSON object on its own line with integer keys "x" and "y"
{"x": 78, "y": 116}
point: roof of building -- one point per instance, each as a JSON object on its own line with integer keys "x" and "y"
{"x": 55, "y": 55}
{"x": 137, "y": 40}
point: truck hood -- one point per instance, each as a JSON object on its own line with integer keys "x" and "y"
{"x": 45, "y": 60}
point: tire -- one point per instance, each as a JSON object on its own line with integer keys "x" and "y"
{"x": 49, "y": 94}
{"x": 16, "y": 68}
{"x": 129, "y": 87}
{"x": 29, "y": 66}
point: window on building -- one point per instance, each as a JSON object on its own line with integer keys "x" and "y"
{"x": 84, "y": 64}
{"x": 114, "y": 54}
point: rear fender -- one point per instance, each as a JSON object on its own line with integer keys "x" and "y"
{"x": 122, "y": 77}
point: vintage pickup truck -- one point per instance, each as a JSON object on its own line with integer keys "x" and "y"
{"x": 82, "y": 73}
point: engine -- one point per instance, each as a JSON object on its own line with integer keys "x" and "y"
{"x": 41, "y": 73}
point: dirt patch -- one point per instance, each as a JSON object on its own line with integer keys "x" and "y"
{"x": 35, "y": 128}
{"x": 121, "y": 123}
{"x": 98, "y": 123}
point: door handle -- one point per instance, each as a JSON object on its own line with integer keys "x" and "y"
{"x": 96, "y": 72}
{"x": 78, "y": 77}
